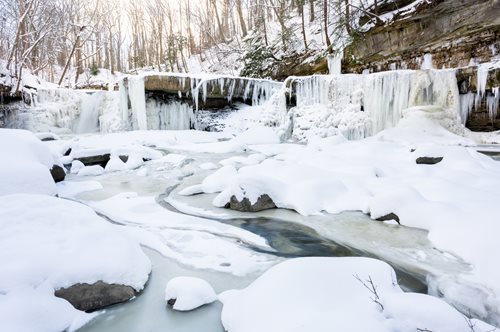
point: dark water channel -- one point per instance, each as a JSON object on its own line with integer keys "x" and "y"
{"x": 291, "y": 240}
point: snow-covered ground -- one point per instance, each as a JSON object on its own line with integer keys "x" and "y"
{"x": 167, "y": 189}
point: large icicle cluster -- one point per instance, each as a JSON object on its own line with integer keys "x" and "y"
{"x": 362, "y": 105}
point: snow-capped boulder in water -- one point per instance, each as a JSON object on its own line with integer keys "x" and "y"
{"x": 188, "y": 293}
{"x": 263, "y": 202}
{"x": 343, "y": 293}
{"x": 25, "y": 164}
{"x": 56, "y": 244}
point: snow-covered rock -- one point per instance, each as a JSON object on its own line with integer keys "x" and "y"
{"x": 344, "y": 294}
{"x": 91, "y": 170}
{"x": 188, "y": 293}
{"x": 50, "y": 243}
{"x": 25, "y": 164}
{"x": 379, "y": 176}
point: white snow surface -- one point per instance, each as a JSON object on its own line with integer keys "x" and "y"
{"x": 194, "y": 241}
{"x": 452, "y": 199}
{"x": 45, "y": 246}
{"x": 189, "y": 293}
{"x": 318, "y": 294}
{"x": 25, "y": 163}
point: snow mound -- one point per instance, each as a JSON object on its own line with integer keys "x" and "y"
{"x": 50, "y": 243}
{"x": 189, "y": 293}
{"x": 42, "y": 236}
{"x": 91, "y": 171}
{"x": 24, "y": 164}
{"x": 348, "y": 294}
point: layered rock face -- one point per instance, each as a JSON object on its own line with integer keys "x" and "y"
{"x": 452, "y": 31}
{"x": 446, "y": 34}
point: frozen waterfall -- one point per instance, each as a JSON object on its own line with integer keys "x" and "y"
{"x": 137, "y": 96}
{"x": 363, "y": 105}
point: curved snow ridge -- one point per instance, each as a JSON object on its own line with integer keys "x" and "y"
{"x": 58, "y": 243}
{"x": 198, "y": 242}
{"x": 347, "y": 294}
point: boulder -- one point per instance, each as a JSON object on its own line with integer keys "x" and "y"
{"x": 58, "y": 173}
{"x": 91, "y": 297}
{"x": 264, "y": 202}
{"x": 390, "y": 216}
{"x": 428, "y": 160}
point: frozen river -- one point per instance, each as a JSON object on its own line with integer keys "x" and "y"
{"x": 287, "y": 234}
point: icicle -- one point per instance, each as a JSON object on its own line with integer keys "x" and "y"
{"x": 427, "y": 63}
{"x": 246, "y": 92}
{"x": 138, "y": 101}
{"x": 221, "y": 85}
{"x": 482, "y": 78}
{"x": 492, "y": 102}
{"x": 335, "y": 63}
{"x": 466, "y": 106}
{"x": 169, "y": 116}
{"x": 124, "y": 104}
{"x": 204, "y": 87}
{"x": 231, "y": 90}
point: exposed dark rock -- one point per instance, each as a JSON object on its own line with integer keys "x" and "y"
{"x": 264, "y": 202}
{"x": 452, "y": 31}
{"x": 428, "y": 160}
{"x": 90, "y": 297}
{"x": 48, "y": 139}
{"x": 171, "y": 301}
{"x": 58, "y": 173}
{"x": 101, "y": 160}
{"x": 68, "y": 152}
{"x": 390, "y": 216}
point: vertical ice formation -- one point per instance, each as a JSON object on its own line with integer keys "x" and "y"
{"x": 138, "y": 102}
{"x": 124, "y": 109}
{"x": 171, "y": 115}
{"x": 89, "y": 112}
{"x": 335, "y": 63}
{"x": 255, "y": 91}
{"x": 471, "y": 101}
{"x": 380, "y": 96}
{"x": 427, "y": 63}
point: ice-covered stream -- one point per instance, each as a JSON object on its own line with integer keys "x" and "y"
{"x": 290, "y": 234}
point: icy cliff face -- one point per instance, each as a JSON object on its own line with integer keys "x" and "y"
{"x": 354, "y": 105}
{"x": 362, "y": 105}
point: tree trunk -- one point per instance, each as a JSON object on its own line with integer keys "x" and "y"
{"x": 242, "y": 19}
{"x": 311, "y": 10}
{"x": 219, "y": 24}
{"x": 77, "y": 41}
{"x": 301, "y": 10}
{"x": 325, "y": 21}
{"x": 347, "y": 17}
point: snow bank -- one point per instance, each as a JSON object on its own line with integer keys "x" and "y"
{"x": 253, "y": 136}
{"x": 189, "y": 293}
{"x": 45, "y": 246}
{"x": 452, "y": 199}
{"x": 24, "y": 164}
{"x": 318, "y": 294}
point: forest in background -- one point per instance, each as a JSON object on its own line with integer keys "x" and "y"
{"x": 52, "y": 37}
